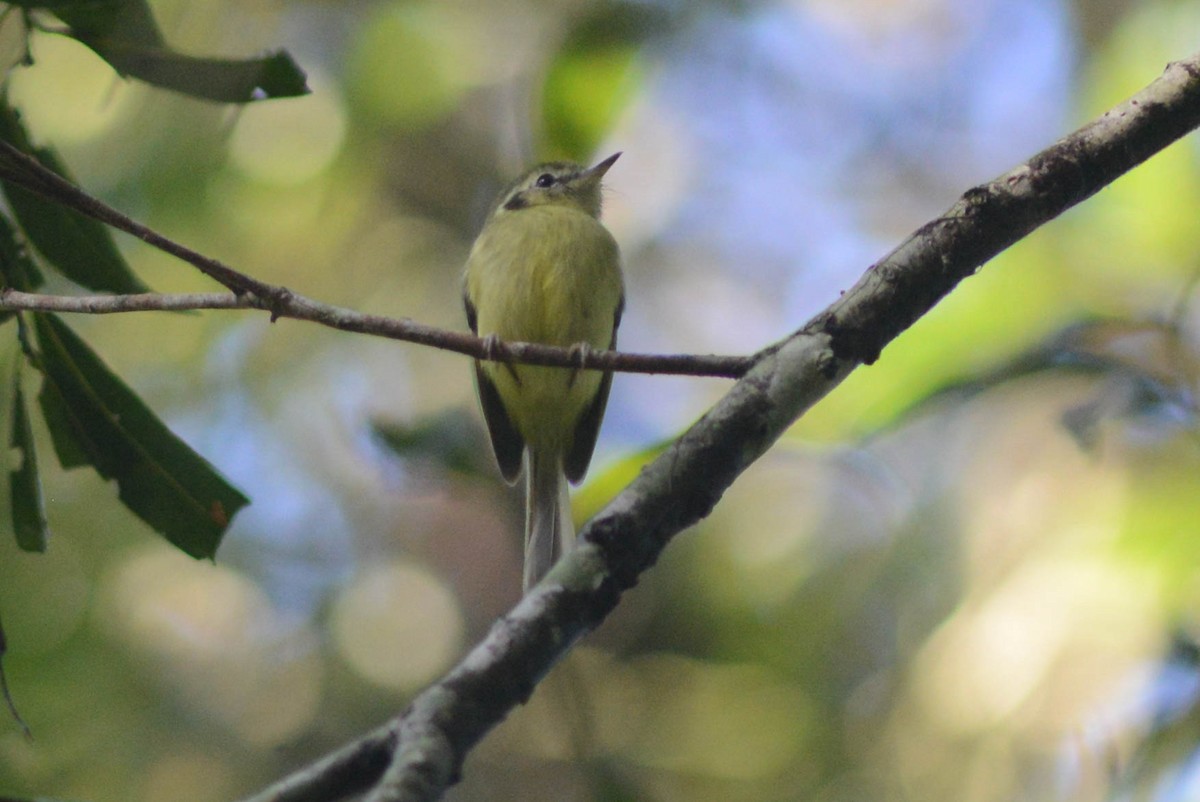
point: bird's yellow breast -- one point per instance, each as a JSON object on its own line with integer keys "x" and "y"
{"x": 546, "y": 274}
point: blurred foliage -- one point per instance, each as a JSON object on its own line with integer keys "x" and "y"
{"x": 95, "y": 419}
{"x": 93, "y": 416}
{"x": 448, "y": 441}
{"x": 125, "y": 34}
{"x": 594, "y": 76}
{"x": 80, "y": 248}
{"x": 970, "y": 574}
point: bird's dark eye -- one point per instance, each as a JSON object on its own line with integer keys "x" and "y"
{"x": 544, "y": 180}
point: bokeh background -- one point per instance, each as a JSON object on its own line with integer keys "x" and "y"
{"x": 969, "y": 574}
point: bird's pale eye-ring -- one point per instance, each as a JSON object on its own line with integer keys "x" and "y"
{"x": 544, "y": 180}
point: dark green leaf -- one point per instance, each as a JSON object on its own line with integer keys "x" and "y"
{"x": 161, "y": 479}
{"x": 223, "y": 80}
{"x": 8, "y": 700}
{"x": 24, "y": 482}
{"x": 17, "y": 270}
{"x": 130, "y": 19}
{"x": 124, "y": 33}
{"x": 82, "y": 249}
{"x": 70, "y": 452}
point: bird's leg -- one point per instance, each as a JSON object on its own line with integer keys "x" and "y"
{"x": 493, "y": 347}
{"x": 580, "y": 352}
{"x": 495, "y": 350}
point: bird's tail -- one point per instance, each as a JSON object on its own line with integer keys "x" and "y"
{"x": 548, "y": 526}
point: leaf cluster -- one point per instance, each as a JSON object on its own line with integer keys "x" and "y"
{"x": 94, "y": 418}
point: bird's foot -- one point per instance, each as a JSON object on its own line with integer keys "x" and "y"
{"x": 579, "y": 355}
{"x": 493, "y": 348}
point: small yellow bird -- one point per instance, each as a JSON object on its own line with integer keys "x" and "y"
{"x": 544, "y": 270}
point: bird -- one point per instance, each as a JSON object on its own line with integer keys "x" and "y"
{"x": 544, "y": 269}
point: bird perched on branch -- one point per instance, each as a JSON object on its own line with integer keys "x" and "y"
{"x": 544, "y": 270}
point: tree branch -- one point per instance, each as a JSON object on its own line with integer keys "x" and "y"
{"x": 250, "y": 293}
{"x": 285, "y": 304}
{"x": 27, "y": 172}
{"x": 679, "y": 488}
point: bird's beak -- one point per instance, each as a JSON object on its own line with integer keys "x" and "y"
{"x": 597, "y": 172}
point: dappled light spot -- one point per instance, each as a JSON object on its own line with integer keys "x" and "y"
{"x": 668, "y": 712}
{"x": 730, "y": 721}
{"x": 414, "y": 61}
{"x": 999, "y": 653}
{"x": 188, "y": 777}
{"x": 46, "y": 600}
{"x": 72, "y": 96}
{"x": 289, "y": 141}
{"x": 211, "y": 637}
{"x": 397, "y": 625}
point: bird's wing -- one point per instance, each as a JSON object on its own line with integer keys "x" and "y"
{"x": 576, "y": 461}
{"x": 507, "y": 443}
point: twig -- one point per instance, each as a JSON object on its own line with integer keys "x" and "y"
{"x": 289, "y": 305}
{"x": 27, "y": 172}
{"x": 251, "y": 293}
{"x": 680, "y": 487}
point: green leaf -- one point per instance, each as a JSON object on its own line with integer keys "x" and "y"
{"x": 222, "y": 80}
{"x": 70, "y": 452}
{"x": 131, "y": 19}
{"x": 17, "y": 270}
{"x": 80, "y": 248}
{"x": 124, "y": 33}
{"x": 24, "y": 482}
{"x": 161, "y": 479}
{"x": 8, "y": 700}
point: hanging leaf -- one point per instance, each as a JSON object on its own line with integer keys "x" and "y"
{"x": 125, "y": 34}
{"x": 17, "y": 270}
{"x": 275, "y": 75}
{"x": 131, "y": 19}
{"x": 79, "y": 247}
{"x": 24, "y": 481}
{"x": 162, "y": 480}
{"x": 70, "y": 452}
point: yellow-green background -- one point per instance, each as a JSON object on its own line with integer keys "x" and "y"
{"x": 970, "y": 598}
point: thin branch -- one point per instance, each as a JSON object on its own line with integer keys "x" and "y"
{"x": 679, "y": 488}
{"x": 251, "y": 293}
{"x": 289, "y": 305}
{"x": 15, "y": 300}
{"x": 27, "y": 172}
